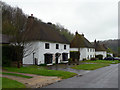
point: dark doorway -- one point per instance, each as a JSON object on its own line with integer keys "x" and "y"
{"x": 65, "y": 56}
{"x": 56, "y": 57}
{"x": 48, "y": 58}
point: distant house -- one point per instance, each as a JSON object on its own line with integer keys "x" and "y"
{"x": 109, "y": 51}
{"x": 99, "y": 49}
{"x": 47, "y": 44}
{"x": 81, "y": 44}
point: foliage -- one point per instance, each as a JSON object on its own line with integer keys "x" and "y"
{"x": 9, "y": 54}
{"x": 93, "y": 59}
{"x": 8, "y": 83}
{"x": 39, "y": 70}
{"x": 108, "y": 55}
{"x": 18, "y": 75}
{"x": 89, "y": 66}
{"x": 100, "y": 57}
{"x": 74, "y": 55}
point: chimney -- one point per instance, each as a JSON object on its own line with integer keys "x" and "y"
{"x": 82, "y": 34}
{"x": 49, "y": 23}
{"x": 95, "y": 41}
{"x": 31, "y": 16}
{"x": 30, "y": 20}
{"x": 76, "y": 33}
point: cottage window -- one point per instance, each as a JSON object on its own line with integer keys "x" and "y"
{"x": 46, "y": 45}
{"x": 88, "y": 49}
{"x": 57, "y": 46}
{"x": 64, "y": 46}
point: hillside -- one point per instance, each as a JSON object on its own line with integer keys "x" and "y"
{"x": 14, "y": 20}
{"x": 113, "y": 44}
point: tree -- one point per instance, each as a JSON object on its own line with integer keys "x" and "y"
{"x": 15, "y": 25}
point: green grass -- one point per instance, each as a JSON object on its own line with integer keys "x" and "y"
{"x": 8, "y": 83}
{"x": 89, "y": 66}
{"x": 102, "y": 61}
{"x": 39, "y": 70}
{"x": 18, "y": 75}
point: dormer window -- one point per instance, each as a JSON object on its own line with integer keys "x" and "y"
{"x": 57, "y": 46}
{"x": 47, "y": 46}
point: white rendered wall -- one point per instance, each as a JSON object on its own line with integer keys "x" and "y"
{"x": 87, "y": 53}
{"x": 84, "y": 53}
{"x": 40, "y": 51}
{"x": 52, "y": 49}
{"x": 33, "y": 48}
{"x": 104, "y": 53}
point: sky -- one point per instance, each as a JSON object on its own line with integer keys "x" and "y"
{"x": 96, "y": 19}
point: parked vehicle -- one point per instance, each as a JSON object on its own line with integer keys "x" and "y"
{"x": 109, "y": 58}
{"x": 116, "y": 58}
{"x": 112, "y": 58}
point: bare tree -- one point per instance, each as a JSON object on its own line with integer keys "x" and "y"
{"x": 18, "y": 25}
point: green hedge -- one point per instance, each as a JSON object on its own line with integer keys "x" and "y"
{"x": 75, "y": 55}
{"x": 9, "y": 54}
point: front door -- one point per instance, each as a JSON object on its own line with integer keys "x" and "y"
{"x": 48, "y": 58}
{"x": 56, "y": 59}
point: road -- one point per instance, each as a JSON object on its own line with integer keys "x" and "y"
{"x": 106, "y": 77}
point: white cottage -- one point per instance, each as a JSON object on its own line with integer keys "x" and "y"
{"x": 48, "y": 46}
{"x": 99, "y": 49}
{"x": 81, "y": 44}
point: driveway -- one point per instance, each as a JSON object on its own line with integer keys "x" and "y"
{"x": 106, "y": 77}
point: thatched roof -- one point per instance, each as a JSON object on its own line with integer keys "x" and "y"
{"x": 99, "y": 47}
{"x": 79, "y": 41}
{"x": 43, "y": 32}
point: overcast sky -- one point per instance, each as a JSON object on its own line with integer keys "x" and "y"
{"x": 96, "y": 19}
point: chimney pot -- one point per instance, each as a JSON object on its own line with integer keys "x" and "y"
{"x": 76, "y": 32}
{"x": 32, "y": 15}
{"x": 82, "y": 34}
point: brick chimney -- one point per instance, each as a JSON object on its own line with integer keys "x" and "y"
{"x": 82, "y": 34}
{"x": 30, "y": 20}
{"x": 76, "y": 33}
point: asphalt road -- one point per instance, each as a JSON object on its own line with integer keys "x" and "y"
{"x": 106, "y": 77}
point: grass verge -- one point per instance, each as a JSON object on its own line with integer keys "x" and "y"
{"x": 102, "y": 61}
{"x": 39, "y": 70}
{"x": 89, "y": 66}
{"x": 8, "y": 83}
{"x": 18, "y": 75}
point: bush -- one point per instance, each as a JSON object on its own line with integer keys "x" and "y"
{"x": 70, "y": 60}
{"x": 93, "y": 59}
{"x": 9, "y": 55}
{"x": 84, "y": 59}
{"x": 75, "y": 55}
{"x": 100, "y": 57}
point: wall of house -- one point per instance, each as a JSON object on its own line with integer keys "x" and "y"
{"x": 104, "y": 53}
{"x": 39, "y": 50}
{"x": 30, "y": 48}
{"x": 52, "y": 49}
{"x": 87, "y": 53}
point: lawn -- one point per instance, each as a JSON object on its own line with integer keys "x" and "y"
{"x": 18, "y": 75}
{"x": 39, "y": 70}
{"x": 89, "y": 66}
{"x": 8, "y": 83}
{"x": 102, "y": 61}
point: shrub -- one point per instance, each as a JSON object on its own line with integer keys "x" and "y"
{"x": 84, "y": 59}
{"x": 75, "y": 55}
{"x": 100, "y": 57}
{"x": 70, "y": 60}
{"x": 93, "y": 59}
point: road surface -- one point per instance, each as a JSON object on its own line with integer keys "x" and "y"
{"x": 106, "y": 77}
